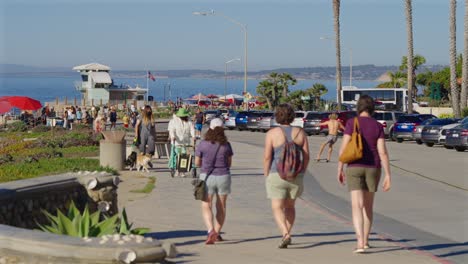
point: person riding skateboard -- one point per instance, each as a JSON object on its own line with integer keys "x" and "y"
{"x": 333, "y": 126}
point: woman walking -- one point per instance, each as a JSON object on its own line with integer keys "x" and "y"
{"x": 362, "y": 176}
{"x": 214, "y": 156}
{"x": 283, "y": 193}
{"x": 145, "y": 130}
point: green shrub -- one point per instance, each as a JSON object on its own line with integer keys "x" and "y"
{"x": 40, "y": 128}
{"x": 446, "y": 115}
{"x": 88, "y": 225}
{"x": 18, "y": 126}
{"x": 465, "y": 112}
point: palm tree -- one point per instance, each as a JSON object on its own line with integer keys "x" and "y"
{"x": 285, "y": 80}
{"x": 265, "y": 88}
{"x": 418, "y": 60}
{"x": 453, "y": 60}
{"x": 317, "y": 90}
{"x": 336, "y": 15}
{"x": 397, "y": 80}
{"x": 409, "y": 31}
{"x": 464, "y": 91}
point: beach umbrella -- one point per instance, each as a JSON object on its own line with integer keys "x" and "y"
{"x": 22, "y": 102}
{"x": 5, "y": 107}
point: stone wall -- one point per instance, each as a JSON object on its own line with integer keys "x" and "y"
{"x": 22, "y": 202}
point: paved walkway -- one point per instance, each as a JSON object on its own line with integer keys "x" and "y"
{"x": 250, "y": 232}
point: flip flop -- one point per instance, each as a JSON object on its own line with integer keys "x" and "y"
{"x": 358, "y": 251}
{"x": 285, "y": 242}
{"x": 367, "y": 246}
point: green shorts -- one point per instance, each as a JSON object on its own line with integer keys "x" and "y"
{"x": 278, "y": 188}
{"x": 361, "y": 178}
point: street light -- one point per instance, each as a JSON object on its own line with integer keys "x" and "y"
{"x": 244, "y": 28}
{"x": 350, "y": 60}
{"x": 225, "y": 75}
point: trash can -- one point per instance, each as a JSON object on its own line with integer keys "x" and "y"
{"x": 112, "y": 149}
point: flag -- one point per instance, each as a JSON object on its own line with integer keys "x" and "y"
{"x": 150, "y": 76}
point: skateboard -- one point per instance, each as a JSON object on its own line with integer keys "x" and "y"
{"x": 318, "y": 160}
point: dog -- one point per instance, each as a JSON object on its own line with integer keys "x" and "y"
{"x": 143, "y": 162}
{"x": 131, "y": 160}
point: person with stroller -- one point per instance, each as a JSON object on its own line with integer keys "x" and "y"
{"x": 181, "y": 134}
{"x": 214, "y": 156}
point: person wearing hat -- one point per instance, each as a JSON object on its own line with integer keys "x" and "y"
{"x": 214, "y": 156}
{"x": 181, "y": 130}
{"x": 333, "y": 126}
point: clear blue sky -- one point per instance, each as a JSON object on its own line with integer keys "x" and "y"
{"x": 144, "y": 34}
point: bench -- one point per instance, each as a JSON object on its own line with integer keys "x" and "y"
{"x": 162, "y": 144}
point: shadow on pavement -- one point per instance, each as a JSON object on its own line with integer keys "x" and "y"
{"x": 177, "y": 234}
{"x": 434, "y": 247}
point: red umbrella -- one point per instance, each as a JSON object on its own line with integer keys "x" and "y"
{"x": 5, "y": 107}
{"x": 22, "y": 102}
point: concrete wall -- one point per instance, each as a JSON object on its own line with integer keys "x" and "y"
{"x": 437, "y": 111}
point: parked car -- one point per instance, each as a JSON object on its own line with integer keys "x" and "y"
{"x": 457, "y": 137}
{"x": 418, "y": 129}
{"x": 343, "y": 117}
{"x": 230, "y": 120}
{"x": 387, "y": 119}
{"x": 299, "y": 120}
{"x": 431, "y": 133}
{"x": 406, "y": 124}
{"x": 273, "y": 122}
{"x": 264, "y": 124}
{"x": 211, "y": 114}
{"x": 252, "y": 120}
{"x": 312, "y": 121}
{"x": 241, "y": 119}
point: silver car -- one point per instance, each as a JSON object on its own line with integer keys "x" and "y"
{"x": 387, "y": 119}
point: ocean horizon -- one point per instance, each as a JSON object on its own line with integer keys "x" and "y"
{"x": 47, "y": 89}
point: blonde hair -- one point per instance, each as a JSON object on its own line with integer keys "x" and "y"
{"x": 147, "y": 119}
{"x": 333, "y": 116}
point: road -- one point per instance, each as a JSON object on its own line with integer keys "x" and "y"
{"x": 426, "y": 207}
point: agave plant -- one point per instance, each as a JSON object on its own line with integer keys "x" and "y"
{"x": 88, "y": 225}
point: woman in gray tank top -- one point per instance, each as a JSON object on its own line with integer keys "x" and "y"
{"x": 283, "y": 193}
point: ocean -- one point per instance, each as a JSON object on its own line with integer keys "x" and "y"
{"x": 47, "y": 89}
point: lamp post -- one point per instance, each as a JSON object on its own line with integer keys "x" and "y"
{"x": 225, "y": 75}
{"x": 244, "y": 28}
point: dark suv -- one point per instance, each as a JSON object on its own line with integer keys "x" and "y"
{"x": 312, "y": 121}
{"x": 403, "y": 128}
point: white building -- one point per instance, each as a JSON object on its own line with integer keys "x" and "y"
{"x": 97, "y": 86}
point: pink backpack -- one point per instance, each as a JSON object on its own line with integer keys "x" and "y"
{"x": 291, "y": 160}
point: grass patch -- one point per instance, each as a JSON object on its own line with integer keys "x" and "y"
{"x": 148, "y": 187}
{"x": 18, "y": 171}
{"x": 81, "y": 151}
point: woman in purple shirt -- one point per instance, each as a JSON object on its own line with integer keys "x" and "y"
{"x": 362, "y": 176}
{"x": 214, "y": 156}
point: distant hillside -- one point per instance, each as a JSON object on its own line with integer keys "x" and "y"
{"x": 360, "y": 72}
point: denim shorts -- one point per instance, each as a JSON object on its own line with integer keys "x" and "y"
{"x": 198, "y": 127}
{"x": 217, "y": 184}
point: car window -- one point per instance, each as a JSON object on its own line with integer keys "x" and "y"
{"x": 408, "y": 119}
{"x": 324, "y": 115}
{"x": 350, "y": 114}
{"x": 314, "y": 116}
{"x": 427, "y": 122}
{"x": 299, "y": 114}
{"x": 267, "y": 114}
{"x": 442, "y": 122}
{"x": 378, "y": 116}
{"x": 424, "y": 117}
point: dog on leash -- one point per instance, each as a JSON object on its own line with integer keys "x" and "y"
{"x": 131, "y": 160}
{"x": 139, "y": 161}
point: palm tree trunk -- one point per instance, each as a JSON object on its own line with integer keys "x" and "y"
{"x": 336, "y": 15}
{"x": 453, "y": 60}
{"x": 409, "y": 31}
{"x": 464, "y": 92}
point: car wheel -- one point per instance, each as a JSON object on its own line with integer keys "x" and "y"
{"x": 230, "y": 128}
{"x": 460, "y": 149}
{"x": 418, "y": 141}
{"x": 399, "y": 140}
{"x": 429, "y": 144}
{"x": 448, "y": 147}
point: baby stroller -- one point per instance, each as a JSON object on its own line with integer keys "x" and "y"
{"x": 182, "y": 160}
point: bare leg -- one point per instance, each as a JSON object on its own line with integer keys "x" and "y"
{"x": 207, "y": 213}
{"x": 357, "y": 205}
{"x": 290, "y": 213}
{"x": 368, "y": 213}
{"x": 330, "y": 150}
{"x": 321, "y": 150}
{"x": 278, "y": 205}
{"x": 220, "y": 212}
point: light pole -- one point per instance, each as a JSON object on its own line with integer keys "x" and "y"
{"x": 244, "y": 28}
{"x": 225, "y": 75}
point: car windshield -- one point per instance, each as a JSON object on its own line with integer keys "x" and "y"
{"x": 378, "y": 116}
{"x": 424, "y": 117}
{"x": 464, "y": 120}
{"x": 211, "y": 112}
{"x": 427, "y": 122}
{"x": 299, "y": 114}
{"x": 442, "y": 122}
{"x": 267, "y": 114}
{"x": 408, "y": 119}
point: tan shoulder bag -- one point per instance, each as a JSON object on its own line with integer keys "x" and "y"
{"x": 353, "y": 150}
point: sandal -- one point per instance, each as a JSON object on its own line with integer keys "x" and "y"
{"x": 358, "y": 251}
{"x": 211, "y": 237}
{"x": 285, "y": 242}
{"x": 367, "y": 246}
{"x": 219, "y": 238}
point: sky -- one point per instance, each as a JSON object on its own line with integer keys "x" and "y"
{"x": 165, "y": 35}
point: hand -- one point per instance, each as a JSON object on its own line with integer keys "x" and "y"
{"x": 387, "y": 183}
{"x": 341, "y": 177}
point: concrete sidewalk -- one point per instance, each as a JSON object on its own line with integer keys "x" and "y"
{"x": 250, "y": 234}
